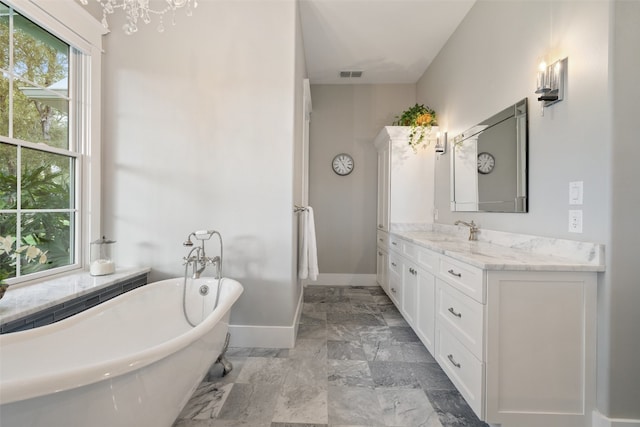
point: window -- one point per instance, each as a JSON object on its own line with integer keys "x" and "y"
{"x": 43, "y": 118}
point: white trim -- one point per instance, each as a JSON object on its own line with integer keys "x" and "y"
{"x": 66, "y": 19}
{"x": 267, "y": 336}
{"x": 600, "y": 420}
{"x": 335, "y": 279}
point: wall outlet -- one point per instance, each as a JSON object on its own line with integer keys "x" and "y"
{"x": 575, "y": 221}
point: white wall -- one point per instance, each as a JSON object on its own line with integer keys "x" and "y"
{"x": 200, "y": 124}
{"x": 489, "y": 63}
{"x": 347, "y": 118}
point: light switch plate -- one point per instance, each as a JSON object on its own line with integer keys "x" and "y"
{"x": 576, "y": 190}
{"x": 575, "y": 221}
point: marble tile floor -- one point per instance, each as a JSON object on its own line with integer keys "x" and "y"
{"x": 356, "y": 363}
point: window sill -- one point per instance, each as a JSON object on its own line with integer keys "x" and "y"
{"x": 25, "y": 301}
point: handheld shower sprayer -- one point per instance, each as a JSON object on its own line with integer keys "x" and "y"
{"x": 203, "y": 234}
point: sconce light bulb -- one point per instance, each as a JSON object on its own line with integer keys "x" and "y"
{"x": 542, "y": 67}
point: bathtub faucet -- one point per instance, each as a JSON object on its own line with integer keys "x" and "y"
{"x": 200, "y": 260}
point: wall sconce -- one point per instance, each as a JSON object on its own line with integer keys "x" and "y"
{"x": 441, "y": 143}
{"x": 551, "y": 81}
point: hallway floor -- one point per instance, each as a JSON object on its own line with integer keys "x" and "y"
{"x": 356, "y": 363}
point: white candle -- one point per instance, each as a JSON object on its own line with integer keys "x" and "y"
{"x": 101, "y": 267}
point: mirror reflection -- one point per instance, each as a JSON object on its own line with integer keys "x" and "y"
{"x": 489, "y": 164}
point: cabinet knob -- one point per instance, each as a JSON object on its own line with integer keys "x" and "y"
{"x": 393, "y": 290}
{"x": 453, "y": 361}
{"x": 394, "y": 243}
{"x": 379, "y": 253}
{"x": 394, "y": 264}
{"x": 452, "y": 311}
{"x": 453, "y": 273}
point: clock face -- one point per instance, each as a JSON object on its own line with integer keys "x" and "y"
{"x": 342, "y": 164}
{"x": 486, "y": 163}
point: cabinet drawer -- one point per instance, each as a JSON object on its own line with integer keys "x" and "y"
{"x": 462, "y": 316}
{"x": 466, "y": 278}
{"x": 383, "y": 239}
{"x": 426, "y": 259}
{"x": 464, "y": 370}
{"x": 409, "y": 250}
{"x": 395, "y": 243}
{"x": 395, "y": 279}
{"x": 395, "y": 264}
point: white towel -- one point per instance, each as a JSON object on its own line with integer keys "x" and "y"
{"x": 307, "y": 250}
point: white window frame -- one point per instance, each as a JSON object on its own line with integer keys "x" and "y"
{"x": 71, "y": 23}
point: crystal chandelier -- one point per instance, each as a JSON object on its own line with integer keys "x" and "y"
{"x": 140, "y": 10}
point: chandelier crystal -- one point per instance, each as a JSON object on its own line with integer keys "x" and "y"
{"x": 139, "y": 10}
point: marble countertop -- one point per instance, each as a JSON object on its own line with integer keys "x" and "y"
{"x": 496, "y": 250}
{"x": 23, "y": 300}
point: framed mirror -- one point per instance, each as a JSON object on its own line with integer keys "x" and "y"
{"x": 489, "y": 164}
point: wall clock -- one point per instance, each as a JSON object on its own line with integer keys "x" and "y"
{"x": 342, "y": 164}
{"x": 486, "y": 163}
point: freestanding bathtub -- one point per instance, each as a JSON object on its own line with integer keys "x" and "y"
{"x": 131, "y": 361}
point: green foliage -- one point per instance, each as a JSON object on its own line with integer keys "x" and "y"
{"x": 39, "y": 61}
{"x": 419, "y": 118}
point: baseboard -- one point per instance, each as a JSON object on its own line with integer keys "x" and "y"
{"x": 599, "y": 420}
{"x": 266, "y": 336}
{"x": 334, "y": 279}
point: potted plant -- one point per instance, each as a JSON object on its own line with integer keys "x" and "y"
{"x": 419, "y": 118}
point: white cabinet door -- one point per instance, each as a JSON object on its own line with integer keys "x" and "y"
{"x": 409, "y": 292}
{"x": 405, "y": 178}
{"x": 425, "y": 318}
{"x": 382, "y": 275}
{"x": 383, "y": 188}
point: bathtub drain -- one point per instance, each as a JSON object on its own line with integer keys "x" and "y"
{"x": 204, "y": 290}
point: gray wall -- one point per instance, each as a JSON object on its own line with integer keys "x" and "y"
{"x": 200, "y": 124}
{"x": 346, "y": 118}
{"x": 491, "y": 62}
{"x": 621, "y": 295}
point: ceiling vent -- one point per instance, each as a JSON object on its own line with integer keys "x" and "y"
{"x": 348, "y": 74}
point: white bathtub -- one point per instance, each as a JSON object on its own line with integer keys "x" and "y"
{"x": 132, "y": 361}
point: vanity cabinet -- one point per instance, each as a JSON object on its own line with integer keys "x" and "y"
{"x": 405, "y": 178}
{"x": 412, "y": 286}
{"x": 519, "y": 344}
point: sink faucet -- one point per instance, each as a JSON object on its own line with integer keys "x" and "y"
{"x": 473, "y": 229}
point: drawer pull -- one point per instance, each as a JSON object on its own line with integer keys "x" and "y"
{"x": 381, "y": 240}
{"x": 393, "y": 290}
{"x": 452, "y": 360}
{"x": 394, "y": 264}
{"x": 452, "y": 311}
{"x": 394, "y": 243}
{"x": 380, "y": 226}
{"x": 453, "y": 273}
{"x": 379, "y": 253}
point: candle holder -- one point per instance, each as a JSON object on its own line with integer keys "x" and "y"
{"x": 101, "y": 257}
